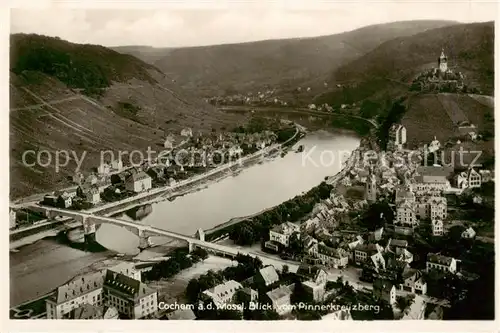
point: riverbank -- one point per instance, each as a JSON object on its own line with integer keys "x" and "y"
{"x": 193, "y": 184}
{"x": 253, "y": 190}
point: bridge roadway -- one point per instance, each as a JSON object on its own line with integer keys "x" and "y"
{"x": 144, "y": 231}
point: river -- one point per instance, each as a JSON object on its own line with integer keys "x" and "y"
{"x": 254, "y": 189}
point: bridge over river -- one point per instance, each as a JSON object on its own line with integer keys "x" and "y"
{"x": 144, "y": 232}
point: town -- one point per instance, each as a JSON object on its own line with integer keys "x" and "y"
{"x": 395, "y": 237}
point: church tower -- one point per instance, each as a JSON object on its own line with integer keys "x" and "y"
{"x": 443, "y": 62}
{"x": 371, "y": 188}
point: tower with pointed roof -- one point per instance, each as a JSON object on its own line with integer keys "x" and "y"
{"x": 443, "y": 62}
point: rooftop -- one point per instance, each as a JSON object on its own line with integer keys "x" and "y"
{"x": 439, "y": 259}
{"x": 269, "y": 274}
{"x": 79, "y": 286}
{"x": 279, "y": 293}
{"x": 126, "y": 285}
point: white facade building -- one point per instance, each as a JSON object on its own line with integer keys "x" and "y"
{"x": 281, "y": 233}
{"x": 138, "y": 182}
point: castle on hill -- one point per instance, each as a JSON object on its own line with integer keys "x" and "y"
{"x": 440, "y": 78}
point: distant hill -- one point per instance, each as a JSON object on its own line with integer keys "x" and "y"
{"x": 147, "y": 54}
{"x": 88, "y": 98}
{"x": 469, "y": 47}
{"x": 282, "y": 64}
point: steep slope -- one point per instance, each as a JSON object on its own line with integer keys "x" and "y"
{"x": 281, "y": 64}
{"x": 87, "y": 98}
{"x": 469, "y": 47}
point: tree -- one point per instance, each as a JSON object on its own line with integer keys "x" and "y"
{"x": 403, "y": 303}
{"x": 296, "y": 244}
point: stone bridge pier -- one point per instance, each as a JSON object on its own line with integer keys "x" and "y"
{"x": 89, "y": 229}
{"x": 200, "y": 235}
{"x": 144, "y": 238}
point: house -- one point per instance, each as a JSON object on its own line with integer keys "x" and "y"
{"x": 397, "y": 136}
{"x": 437, "y": 207}
{"x": 384, "y": 289}
{"x": 91, "y": 179}
{"x": 281, "y": 233}
{"x": 156, "y": 172}
{"x": 50, "y": 200}
{"x": 266, "y": 276}
{"x": 280, "y": 299}
{"x": 378, "y": 261}
{"x": 78, "y": 178}
{"x": 441, "y": 263}
{"x": 168, "y": 143}
{"x": 413, "y": 281}
{"x": 12, "y": 219}
{"x": 404, "y": 193}
{"x": 188, "y": 132}
{"x": 406, "y": 215}
{"x": 249, "y": 295}
{"x": 486, "y": 175}
{"x": 223, "y": 293}
{"x": 363, "y": 251}
{"x": 437, "y": 227}
{"x": 69, "y": 296}
{"x": 406, "y": 256}
{"x": 315, "y": 273}
{"x": 104, "y": 169}
{"x": 461, "y": 181}
{"x": 129, "y": 269}
{"x": 337, "y": 258}
{"x": 117, "y": 165}
{"x": 474, "y": 178}
{"x": 396, "y": 245}
{"x": 93, "y": 195}
{"x": 432, "y": 179}
{"x": 85, "y": 311}
{"x": 64, "y": 200}
{"x": 119, "y": 178}
{"x": 138, "y": 182}
{"x": 469, "y": 233}
{"x": 434, "y": 146}
{"x": 132, "y": 298}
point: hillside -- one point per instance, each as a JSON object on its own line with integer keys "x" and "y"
{"x": 469, "y": 47}
{"x": 87, "y": 98}
{"x": 282, "y": 64}
{"x": 147, "y": 54}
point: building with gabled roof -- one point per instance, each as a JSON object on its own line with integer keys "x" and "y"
{"x": 406, "y": 215}
{"x": 80, "y": 290}
{"x": 132, "y": 298}
{"x": 469, "y": 233}
{"x": 331, "y": 257}
{"x": 281, "y": 233}
{"x": 437, "y": 227}
{"x": 280, "y": 299}
{"x": 266, "y": 276}
{"x": 440, "y": 262}
{"x": 138, "y": 182}
{"x": 223, "y": 293}
{"x": 413, "y": 281}
{"x": 85, "y": 311}
{"x": 384, "y": 289}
